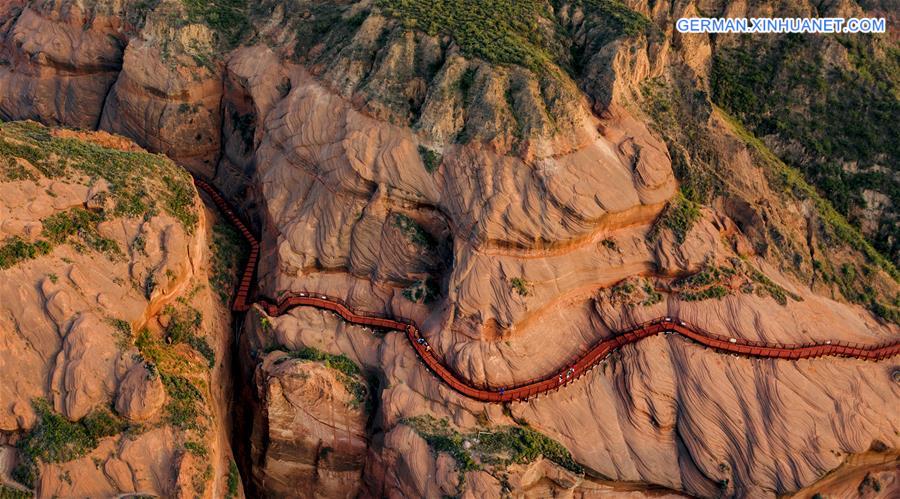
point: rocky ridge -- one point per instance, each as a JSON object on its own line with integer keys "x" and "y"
{"x": 502, "y": 207}
{"x": 98, "y": 279}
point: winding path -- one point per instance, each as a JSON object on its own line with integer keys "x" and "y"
{"x": 568, "y": 373}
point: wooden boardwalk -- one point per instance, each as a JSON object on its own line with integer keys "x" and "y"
{"x": 523, "y": 391}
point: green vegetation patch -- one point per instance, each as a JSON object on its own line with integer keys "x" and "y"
{"x": 679, "y": 117}
{"x": 15, "y": 250}
{"x": 12, "y": 170}
{"x": 185, "y": 327}
{"x": 55, "y": 439}
{"x": 228, "y": 251}
{"x": 422, "y": 291}
{"x": 619, "y": 16}
{"x": 718, "y": 281}
{"x": 766, "y": 286}
{"x": 678, "y": 216}
{"x": 790, "y": 90}
{"x": 418, "y": 235}
{"x": 836, "y": 226}
{"x": 79, "y": 225}
{"x": 184, "y": 408}
{"x": 229, "y": 19}
{"x": 141, "y": 184}
{"x": 520, "y": 286}
{"x": 234, "y": 480}
{"x": 635, "y": 291}
{"x": 709, "y": 283}
{"x": 182, "y": 377}
{"x": 76, "y": 226}
{"x": 431, "y": 159}
{"x": 497, "y": 31}
{"x": 491, "y": 449}
{"x": 7, "y": 492}
{"x": 652, "y": 295}
{"x": 855, "y": 283}
{"x": 441, "y": 438}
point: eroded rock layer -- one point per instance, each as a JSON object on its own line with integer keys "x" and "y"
{"x": 520, "y": 196}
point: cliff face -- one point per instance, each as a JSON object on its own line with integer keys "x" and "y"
{"x": 109, "y": 360}
{"x": 521, "y": 192}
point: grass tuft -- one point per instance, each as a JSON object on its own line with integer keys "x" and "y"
{"x": 431, "y": 159}
{"x": 15, "y": 250}
{"x": 55, "y": 439}
{"x": 228, "y": 251}
{"x": 491, "y": 449}
{"x": 140, "y": 183}
{"x": 497, "y": 31}
{"x": 679, "y": 217}
{"x": 409, "y": 227}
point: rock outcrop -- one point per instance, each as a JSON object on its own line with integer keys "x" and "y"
{"x": 140, "y": 395}
{"x": 58, "y": 64}
{"x": 97, "y": 239}
{"x": 521, "y": 196}
{"x": 315, "y": 430}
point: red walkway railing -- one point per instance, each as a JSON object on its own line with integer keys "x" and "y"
{"x": 556, "y": 380}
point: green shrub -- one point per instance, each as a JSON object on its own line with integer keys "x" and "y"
{"x": 340, "y": 362}
{"x": 524, "y": 445}
{"x": 55, "y": 439}
{"x": 414, "y": 231}
{"x": 227, "y": 18}
{"x": 520, "y": 286}
{"x": 234, "y": 480}
{"x": 491, "y": 448}
{"x": 713, "y": 282}
{"x": 228, "y": 251}
{"x": 140, "y": 183}
{"x": 61, "y": 227}
{"x": 7, "y": 492}
{"x": 441, "y": 438}
{"x": 15, "y": 250}
{"x": 422, "y": 291}
{"x": 183, "y": 408}
{"x": 619, "y": 16}
{"x": 12, "y": 170}
{"x": 182, "y": 324}
{"x": 769, "y": 287}
{"x": 184, "y": 327}
{"x": 431, "y": 159}
{"x": 497, "y": 31}
{"x": 653, "y": 296}
{"x": 180, "y": 201}
{"x": 196, "y": 448}
{"x": 678, "y": 216}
